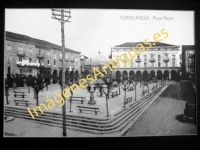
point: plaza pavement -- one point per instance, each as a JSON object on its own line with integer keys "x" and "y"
{"x": 114, "y": 104}
{"x": 28, "y": 128}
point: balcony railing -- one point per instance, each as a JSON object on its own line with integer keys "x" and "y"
{"x": 40, "y": 56}
{"x": 20, "y": 53}
{"x": 138, "y": 60}
{"x": 165, "y": 59}
{"x": 152, "y": 59}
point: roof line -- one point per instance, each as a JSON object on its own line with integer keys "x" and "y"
{"x": 51, "y": 45}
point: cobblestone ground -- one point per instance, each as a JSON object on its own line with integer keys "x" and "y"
{"x": 114, "y": 104}
{"x": 161, "y": 118}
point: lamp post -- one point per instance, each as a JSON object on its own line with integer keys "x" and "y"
{"x": 135, "y": 82}
{"x": 125, "y": 83}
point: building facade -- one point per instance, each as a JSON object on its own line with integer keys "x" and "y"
{"x": 188, "y": 62}
{"x": 98, "y": 61}
{"x": 160, "y": 60}
{"x": 27, "y": 55}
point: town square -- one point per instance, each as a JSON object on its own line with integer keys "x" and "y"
{"x": 117, "y": 78}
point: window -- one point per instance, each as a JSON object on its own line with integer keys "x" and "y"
{"x": 30, "y": 70}
{"x": 66, "y": 56}
{"x": 145, "y": 64}
{"x": 47, "y": 61}
{"x": 173, "y": 57}
{"x": 8, "y": 47}
{"x": 152, "y": 64}
{"x": 145, "y": 57}
{"x": 158, "y": 64}
{"x": 40, "y": 52}
{"x": 39, "y": 61}
{"x": 151, "y": 56}
{"x": 54, "y": 56}
{"x": 138, "y": 57}
{"x": 30, "y": 59}
{"x": 54, "y": 63}
{"x": 166, "y": 64}
{"x": 31, "y": 52}
{"x": 131, "y": 64}
{"x": 180, "y": 56}
{"x": 158, "y": 57}
{"x": 48, "y": 54}
{"x": 20, "y": 59}
{"x": 20, "y": 50}
{"x": 165, "y": 56}
{"x": 173, "y": 64}
{"x": 138, "y": 65}
{"x": 20, "y": 70}
{"x": 76, "y": 58}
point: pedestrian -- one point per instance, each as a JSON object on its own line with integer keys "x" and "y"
{"x": 97, "y": 94}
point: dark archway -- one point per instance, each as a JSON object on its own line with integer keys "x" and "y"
{"x": 118, "y": 75}
{"x": 138, "y": 73}
{"x": 125, "y": 73}
{"x": 60, "y": 72}
{"x": 145, "y": 74}
{"x": 55, "y": 72}
{"x": 55, "y": 75}
{"x": 66, "y": 76}
{"x": 166, "y": 74}
{"x": 152, "y": 73}
{"x": 173, "y": 75}
{"x": 76, "y": 75}
{"x": 131, "y": 74}
{"x": 159, "y": 74}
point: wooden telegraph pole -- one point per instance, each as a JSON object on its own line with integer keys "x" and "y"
{"x": 62, "y": 15}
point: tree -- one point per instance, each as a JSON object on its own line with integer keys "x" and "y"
{"x": 37, "y": 83}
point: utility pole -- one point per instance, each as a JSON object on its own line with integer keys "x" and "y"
{"x": 62, "y": 15}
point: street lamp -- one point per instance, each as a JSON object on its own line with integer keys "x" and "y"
{"x": 135, "y": 81}
{"x": 125, "y": 83}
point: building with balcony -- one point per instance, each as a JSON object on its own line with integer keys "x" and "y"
{"x": 160, "y": 60}
{"x": 27, "y": 55}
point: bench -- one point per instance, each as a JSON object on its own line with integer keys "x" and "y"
{"x": 114, "y": 94}
{"x": 85, "y": 108}
{"x": 19, "y": 94}
{"x": 128, "y": 100}
{"x": 21, "y": 102}
{"x": 80, "y": 99}
{"x": 130, "y": 89}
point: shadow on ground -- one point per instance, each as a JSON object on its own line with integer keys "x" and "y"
{"x": 180, "y": 118}
{"x": 182, "y": 90}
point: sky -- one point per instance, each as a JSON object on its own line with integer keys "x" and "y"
{"x": 91, "y": 30}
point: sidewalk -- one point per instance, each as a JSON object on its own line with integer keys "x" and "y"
{"x": 25, "y": 128}
{"x": 163, "y": 117}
